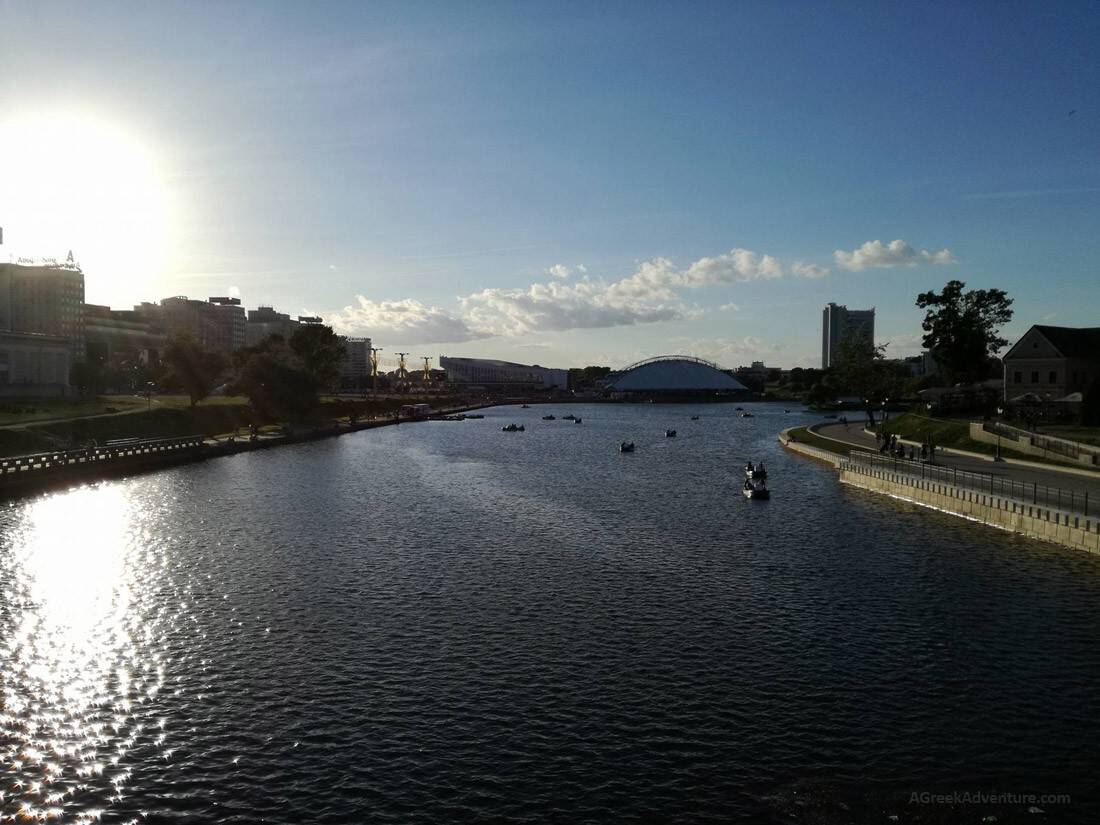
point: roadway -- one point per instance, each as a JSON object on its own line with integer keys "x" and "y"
{"x": 1079, "y": 481}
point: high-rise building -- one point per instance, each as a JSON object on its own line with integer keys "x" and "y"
{"x": 218, "y": 325}
{"x": 838, "y": 324}
{"x": 265, "y": 321}
{"x": 44, "y": 300}
{"x": 355, "y": 368}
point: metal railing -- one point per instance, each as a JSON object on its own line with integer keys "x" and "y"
{"x": 1052, "y": 444}
{"x": 112, "y": 451}
{"x": 1024, "y": 492}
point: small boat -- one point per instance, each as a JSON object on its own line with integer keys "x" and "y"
{"x": 756, "y": 471}
{"x": 626, "y": 447}
{"x": 525, "y": 406}
{"x": 747, "y": 415}
{"x": 670, "y": 433}
{"x": 786, "y": 411}
{"x": 512, "y": 428}
{"x": 548, "y": 418}
{"x": 576, "y": 421}
{"x": 695, "y": 418}
{"x": 755, "y": 489}
{"x": 569, "y": 417}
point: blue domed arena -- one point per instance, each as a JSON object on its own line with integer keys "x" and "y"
{"x": 676, "y": 376}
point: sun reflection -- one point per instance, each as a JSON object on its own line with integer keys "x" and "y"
{"x": 73, "y": 676}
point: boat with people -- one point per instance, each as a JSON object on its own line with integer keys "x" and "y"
{"x": 626, "y": 447}
{"x": 755, "y": 470}
{"x": 576, "y": 420}
{"x": 525, "y": 406}
{"x": 548, "y": 418}
{"x": 569, "y": 417}
{"x": 512, "y": 428}
{"x": 670, "y": 433}
{"x": 695, "y": 418}
{"x": 756, "y": 488}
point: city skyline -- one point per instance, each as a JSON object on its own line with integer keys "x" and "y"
{"x": 560, "y": 186}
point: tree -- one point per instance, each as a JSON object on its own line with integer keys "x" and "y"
{"x": 275, "y": 388}
{"x": 192, "y": 369}
{"x": 961, "y": 328}
{"x": 321, "y": 352}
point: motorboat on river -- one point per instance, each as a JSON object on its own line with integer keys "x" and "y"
{"x": 512, "y": 428}
{"x": 756, "y": 488}
{"x": 755, "y": 471}
{"x": 670, "y": 433}
{"x": 569, "y": 417}
{"x": 548, "y": 418}
{"x": 626, "y": 447}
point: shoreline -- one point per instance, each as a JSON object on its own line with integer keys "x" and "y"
{"x": 22, "y": 476}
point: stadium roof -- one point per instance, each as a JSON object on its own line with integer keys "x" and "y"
{"x": 675, "y": 373}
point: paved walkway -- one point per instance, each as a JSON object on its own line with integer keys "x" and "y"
{"x": 855, "y": 436}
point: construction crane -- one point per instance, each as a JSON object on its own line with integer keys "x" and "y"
{"x": 402, "y": 370}
{"x": 427, "y": 367}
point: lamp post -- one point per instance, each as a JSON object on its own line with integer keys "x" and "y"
{"x": 997, "y": 455}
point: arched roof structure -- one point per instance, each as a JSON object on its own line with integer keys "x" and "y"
{"x": 675, "y": 374}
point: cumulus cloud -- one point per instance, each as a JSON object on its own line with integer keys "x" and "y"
{"x": 403, "y": 322}
{"x": 735, "y": 265}
{"x": 805, "y": 270}
{"x": 731, "y": 307}
{"x": 556, "y": 306}
{"x": 559, "y": 271}
{"x": 877, "y": 255}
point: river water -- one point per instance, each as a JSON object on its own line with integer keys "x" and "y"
{"x": 441, "y": 622}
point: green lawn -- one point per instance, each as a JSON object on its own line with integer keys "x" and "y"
{"x": 803, "y": 436}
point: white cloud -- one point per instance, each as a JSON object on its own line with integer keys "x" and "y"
{"x": 233, "y": 292}
{"x": 731, "y": 307}
{"x": 805, "y": 270}
{"x": 403, "y": 322}
{"x": 559, "y": 271}
{"x": 877, "y": 255}
{"x": 581, "y": 268}
{"x": 735, "y": 265}
{"x": 555, "y": 306}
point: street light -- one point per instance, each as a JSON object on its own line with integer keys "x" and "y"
{"x": 997, "y": 455}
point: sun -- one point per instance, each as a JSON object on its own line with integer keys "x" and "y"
{"x": 72, "y": 181}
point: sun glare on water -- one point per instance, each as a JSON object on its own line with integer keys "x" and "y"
{"x": 80, "y": 183}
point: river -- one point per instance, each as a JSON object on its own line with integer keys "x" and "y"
{"x": 442, "y": 622}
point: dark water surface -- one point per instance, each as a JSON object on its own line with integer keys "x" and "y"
{"x": 442, "y": 622}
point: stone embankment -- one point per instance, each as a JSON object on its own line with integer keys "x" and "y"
{"x": 22, "y": 475}
{"x": 1076, "y": 526}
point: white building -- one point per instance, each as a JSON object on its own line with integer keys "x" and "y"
{"x": 839, "y": 323}
{"x": 502, "y": 375}
{"x": 355, "y": 368}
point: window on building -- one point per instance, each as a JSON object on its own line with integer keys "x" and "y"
{"x": 1018, "y": 378}
{"x": 1035, "y": 377}
{"x": 1053, "y": 378}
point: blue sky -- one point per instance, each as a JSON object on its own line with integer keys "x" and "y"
{"x": 572, "y": 183}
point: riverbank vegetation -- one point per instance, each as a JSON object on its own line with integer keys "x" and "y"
{"x": 174, "y": 416}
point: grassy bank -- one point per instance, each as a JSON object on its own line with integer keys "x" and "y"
{"x": 803, "y": 436}
{"x": 221, "y": 417}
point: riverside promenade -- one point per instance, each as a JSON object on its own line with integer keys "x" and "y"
{"x": 1052, "y": 504}
{"x": 59, "y": 469}
{"x": 1009, "y": 470}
